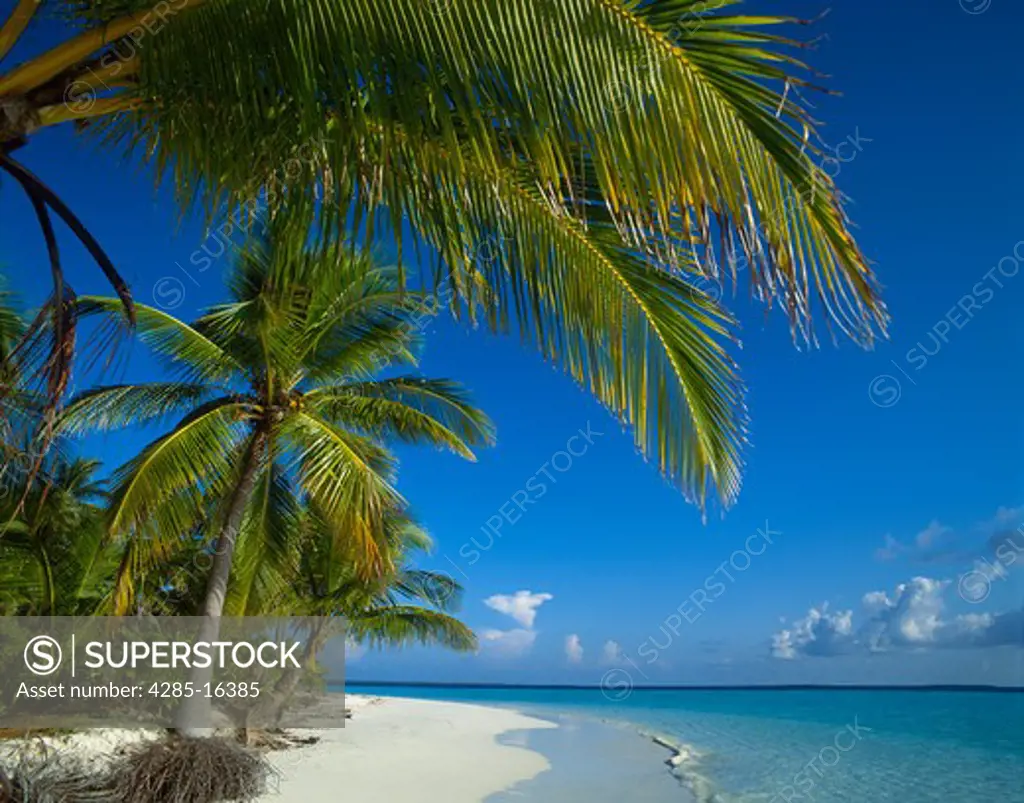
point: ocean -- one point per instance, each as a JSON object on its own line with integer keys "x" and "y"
{"x": 776, "y": 746}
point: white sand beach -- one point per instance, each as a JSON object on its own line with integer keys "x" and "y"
{"x": 428, "y": 751}
{"x": 414, "y": 751}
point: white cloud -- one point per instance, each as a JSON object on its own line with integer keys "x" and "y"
{"x": 611, "y": 654}
{"x": 508, "y": 643}
{"x": 818, "y": 633}
{"x": 573, "y": 649}
{"x": 910, "y": 618}
{"x": 521, "y": 606}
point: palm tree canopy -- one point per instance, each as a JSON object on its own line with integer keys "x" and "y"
{"x": 291, "y": 561}
{"x": 283, "y": 368}
{"x": 582, "y": 184}
{"x": 54, "y": 557}
{"x": 405, "y": 606}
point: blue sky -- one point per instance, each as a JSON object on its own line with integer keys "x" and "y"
{"x": 869, "y": 469}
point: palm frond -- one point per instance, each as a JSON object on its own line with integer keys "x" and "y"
{"x": 194, "y": 459}
{"x": 645, "y": 340}
{"x": 54, "y": 559}
{"x": 266, "y": 554}
{"x": 413, "y": 409}
{"x": 346, "y": 476}
{"x": 23, "y": 584}
{"x": 365, "y": 327}
{"x": 117, "y": 406}
{"x": 184, "y": 351}
{"x": 403, "y": 625}
{"x": 683, "y": 110}
{"x": 435, "y": 588}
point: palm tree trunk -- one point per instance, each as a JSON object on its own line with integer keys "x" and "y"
{"x": 271, "y": 707}
{"x": 197, "y": 708}
{"x": 220, "y": 571}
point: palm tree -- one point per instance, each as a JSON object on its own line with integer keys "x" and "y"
{"x": 275, "y": 396}
{"x": 310, "y": 569}
{"x": 575, "y": 167}
{"x": 55, "y": 559}
{"x": 28, "y": 350}
{"x": 404, "y": 606}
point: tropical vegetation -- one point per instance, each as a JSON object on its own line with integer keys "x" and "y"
{"x": 581, "y": 170}
{"x": 55, "y": 559}
{"x": 588, "y": 173}
{"x": 277, "y": 466}
{"x": 277, "y": 406}
{"x": 312, "y": 570}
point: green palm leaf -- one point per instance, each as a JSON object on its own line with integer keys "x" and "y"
{"x": 709, "y": 130}
{"x": 345, "y": 475}
{"x": 184, "y": 350}
{"x": 266, "y": 555}
{"x": 54, "y": 557}
{"x": 118, "y": 406}
{"x": 195, "y": 458}
{"x": 413, "y": 409}
{"x": 402, "y": 625}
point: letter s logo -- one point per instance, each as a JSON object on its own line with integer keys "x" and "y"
{"x": 43, "y": 655}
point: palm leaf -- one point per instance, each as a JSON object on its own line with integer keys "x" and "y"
{"x": 118, "y": 406}
{"x": 185, "y": 351}
{"x": 402, "y": 625}
{"x": 413, "y": 409}
{"x": 195, "y": 458}
{"x": 265, "y": 555}
{"x": 436, "y": 588}
{"x": 345, "y": 475}
{"x": 710, "y": 130}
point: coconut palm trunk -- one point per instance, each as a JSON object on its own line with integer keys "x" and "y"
{"x": 197, "y": 709}
{"x": 220, "y": 571}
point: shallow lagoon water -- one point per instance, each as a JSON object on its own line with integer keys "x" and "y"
{"x": 770, "y": 745}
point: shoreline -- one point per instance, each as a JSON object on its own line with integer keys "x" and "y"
{"x": 396, "y": 748}
{"x": 464, "y": 752}
{"x": 427, "y": 751}
{"x": 605, "y": 761}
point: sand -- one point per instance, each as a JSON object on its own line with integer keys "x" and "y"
{"x": 393, "y": 749}
{"x": 414, "y": 751}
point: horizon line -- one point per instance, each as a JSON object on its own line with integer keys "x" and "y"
{"x": 700, "y": 687}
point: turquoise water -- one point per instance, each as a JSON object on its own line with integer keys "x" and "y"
{"x": 805, "y": 745}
